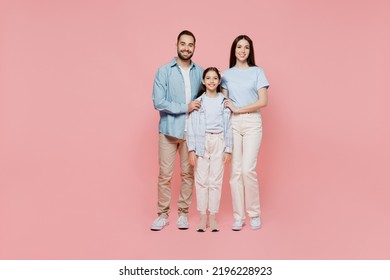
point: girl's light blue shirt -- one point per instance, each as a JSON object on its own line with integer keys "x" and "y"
{"x": 196, "y": 133}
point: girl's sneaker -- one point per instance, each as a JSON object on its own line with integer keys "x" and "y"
{"x": 202, "y": 223}
{"x": 213, "y": 223}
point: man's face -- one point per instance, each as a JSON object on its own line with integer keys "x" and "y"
{"x": 185, "y": 47}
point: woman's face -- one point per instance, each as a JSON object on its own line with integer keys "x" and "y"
{"x": 242, "y": 50}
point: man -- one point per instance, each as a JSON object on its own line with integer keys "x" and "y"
{"x": 175, "y": 87}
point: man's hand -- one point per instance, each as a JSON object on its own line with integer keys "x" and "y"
{"x": 193, "y": 105}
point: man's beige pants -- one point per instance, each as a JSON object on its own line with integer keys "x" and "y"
{"x": 168, "y": 147}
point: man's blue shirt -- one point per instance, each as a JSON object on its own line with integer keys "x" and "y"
{"x": 169, "y": 96}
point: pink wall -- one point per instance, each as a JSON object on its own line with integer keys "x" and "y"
{"x": 78, "y": 131}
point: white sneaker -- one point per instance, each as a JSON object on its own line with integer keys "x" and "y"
{"x": 238, "y": 224}
{"x": 182, "y": 222}
{"x": 255, "y": 223}
{"x": 159, "y": 223}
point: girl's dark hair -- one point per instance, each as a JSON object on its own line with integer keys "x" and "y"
{"x": 202, "y": 87}
{"x": 251, "y": 57}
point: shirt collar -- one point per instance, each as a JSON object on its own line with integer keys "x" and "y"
{"x": 174, "y": 63}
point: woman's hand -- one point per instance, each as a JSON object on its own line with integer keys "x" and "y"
{"x": 229, "y": 104}
{"x": 192, "y": 158}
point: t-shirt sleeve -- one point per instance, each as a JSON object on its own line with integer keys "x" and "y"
{"x": 262, "y": 80}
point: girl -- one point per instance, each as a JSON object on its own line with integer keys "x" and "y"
{"x": 246, "y": 86}
{"x": 209, "y": 140}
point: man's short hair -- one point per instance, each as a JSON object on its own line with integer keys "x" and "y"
{"x": 186, "y": 32}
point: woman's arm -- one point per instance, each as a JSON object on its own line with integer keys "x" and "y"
{"x": 260, "y": 103}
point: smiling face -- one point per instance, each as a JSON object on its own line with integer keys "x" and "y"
{"x": 211, "y": 81}
{"x": 242, "y": 50}
{"x": 185, "y": 47}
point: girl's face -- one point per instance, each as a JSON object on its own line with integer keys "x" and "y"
{"x": 211, "y": 80}
{"x": 242, "y": 50}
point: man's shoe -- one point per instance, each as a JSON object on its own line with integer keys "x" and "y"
{"x": 159, "y": 223}
{"x": 182, "y": 222}
{"x": 255, "y": 223}
{"x": 238, "y": 224}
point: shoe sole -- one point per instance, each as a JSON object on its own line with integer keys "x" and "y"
{"x": 183, "y": 228}
{"x": 256, "y": 228}
{"x": 238, "y": 228}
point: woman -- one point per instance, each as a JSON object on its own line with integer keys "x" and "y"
{"x": 246, "y": 86}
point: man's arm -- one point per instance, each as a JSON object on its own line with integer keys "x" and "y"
{"x": 160, "y": 101}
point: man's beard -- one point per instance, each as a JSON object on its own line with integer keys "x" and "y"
{"x": 183, "y": 57}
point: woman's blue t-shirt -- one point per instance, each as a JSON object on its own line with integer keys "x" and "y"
{"x": 243, "y": 84}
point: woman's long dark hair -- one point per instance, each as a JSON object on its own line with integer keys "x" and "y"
{"x": 202, "y": 87}
{"x": 251, "y": 57}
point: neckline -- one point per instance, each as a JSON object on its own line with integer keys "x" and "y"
{"x": 240, "y": 69}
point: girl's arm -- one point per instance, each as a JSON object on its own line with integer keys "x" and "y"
{"x": 228, "y": 133}
{"x": 191, "y": 132}
{"x": 192, "y": 158}
{"x": 260, "y": 103}
{"x": 227, "y": 158}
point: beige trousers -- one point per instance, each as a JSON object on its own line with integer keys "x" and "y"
{"x": 247, "y": 134}
{"x": 168, "y": 147}
{"x": 209, "y": 174}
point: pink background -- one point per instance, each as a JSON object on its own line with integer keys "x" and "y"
{"x": 78, "y": 131}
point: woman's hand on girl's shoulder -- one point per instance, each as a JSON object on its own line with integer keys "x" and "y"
{"x": 229, "y": 104}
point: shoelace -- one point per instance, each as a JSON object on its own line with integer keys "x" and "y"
{"x": 182, "y": 220}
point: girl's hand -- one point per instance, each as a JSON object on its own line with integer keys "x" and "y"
{"x": 227, "y": 158}
{"x": 229, "y": 104}
{"x": 192, "y": 158}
